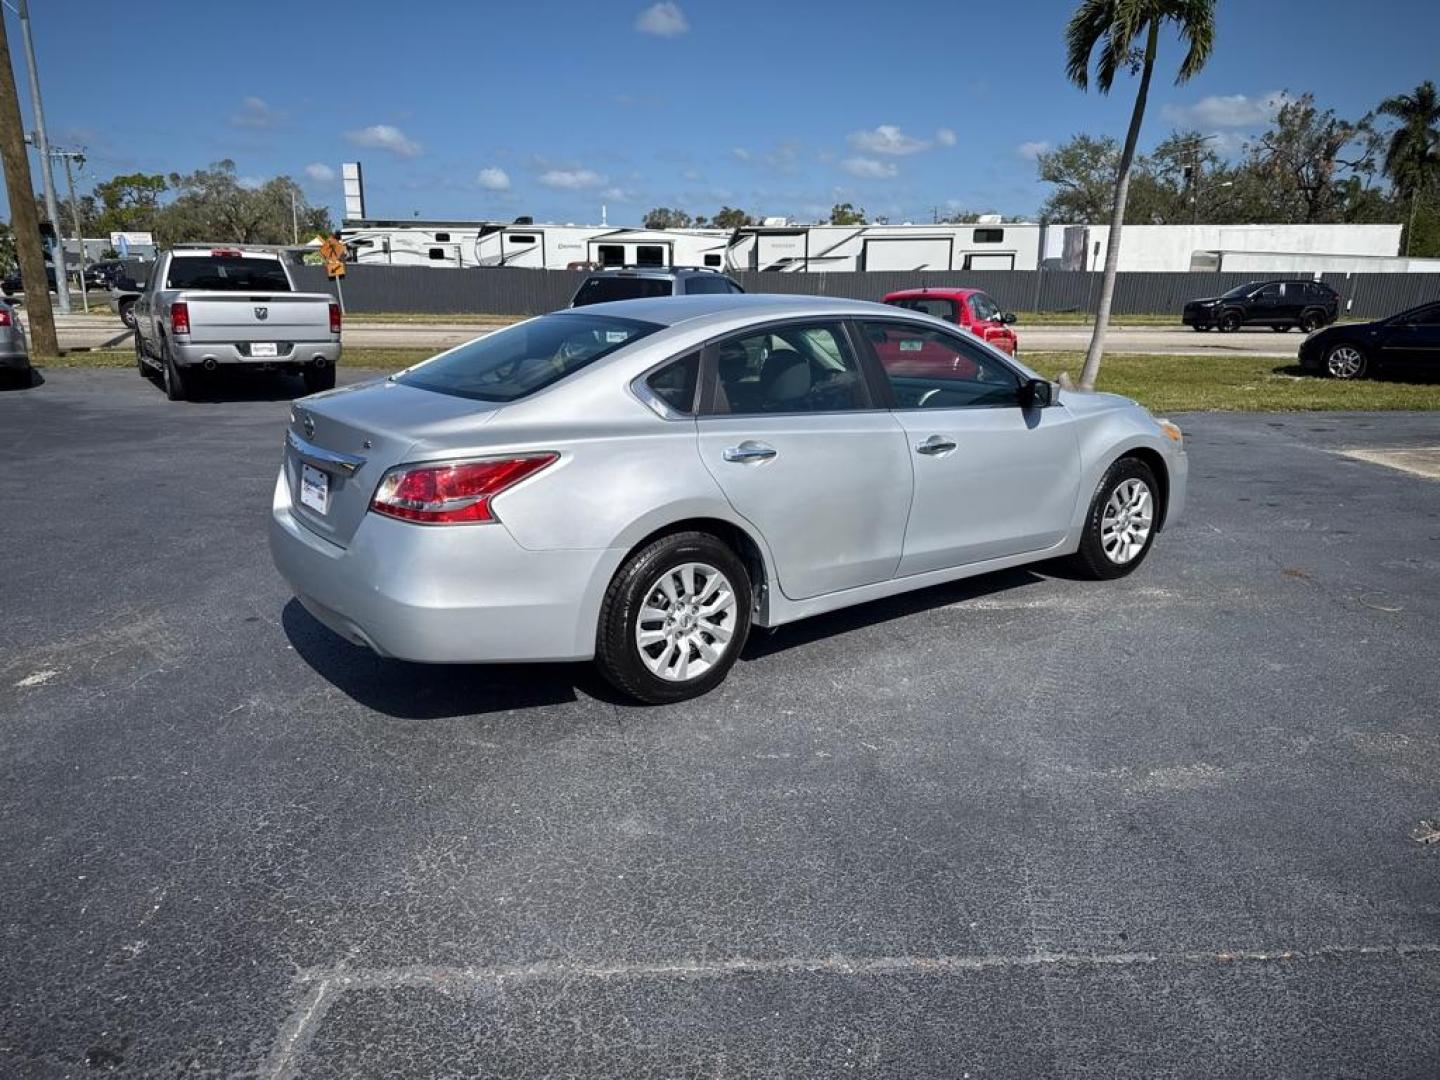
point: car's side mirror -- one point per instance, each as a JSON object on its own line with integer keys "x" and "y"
{"x": 1037, "y": 394}
{"x": 1007, "y": 317}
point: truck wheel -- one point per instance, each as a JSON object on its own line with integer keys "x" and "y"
{"x": 127, "y": 313}
{"x": 318, "y": 379}
{"x": 171, "y": 376}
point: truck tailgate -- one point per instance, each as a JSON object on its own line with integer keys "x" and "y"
{"x": 235, "y": 316}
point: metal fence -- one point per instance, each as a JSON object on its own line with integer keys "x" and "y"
{"x": 489, "y": 291}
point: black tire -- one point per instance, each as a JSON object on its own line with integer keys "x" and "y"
{"x": 140, "y": 364}
{"x": 1091, "y": 560}
{"x": 1346, "y": 360}
{"x": 171, "y": 377}
{"x": 127, "y": 313}
{"x": 318, "y": 379}
{"x": 1200, "y": 328}
{"x": 1230, "y": 322}
{"x": 1311, "y": 321}
{"x": 617, "y": 649}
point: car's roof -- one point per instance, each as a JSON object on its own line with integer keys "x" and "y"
{"x": 653, "y": 271}
{"x": 672, "y": 310}
{"x": 956, "y": 293}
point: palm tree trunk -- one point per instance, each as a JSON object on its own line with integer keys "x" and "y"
{"x": 1117, "y": 215}
{"x": 1410, "y": 229}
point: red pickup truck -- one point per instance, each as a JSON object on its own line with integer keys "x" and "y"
{"x": 969, "y": 308}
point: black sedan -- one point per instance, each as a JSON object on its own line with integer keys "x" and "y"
{"x": 1407, "y": 342}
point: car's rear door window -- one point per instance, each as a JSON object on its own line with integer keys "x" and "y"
{"x": 794, "y": 368}
{"x": 932, "y": 369}
{"x": 511, "y": 363}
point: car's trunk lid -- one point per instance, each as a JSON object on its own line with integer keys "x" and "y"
{"x": 346, "y": 440}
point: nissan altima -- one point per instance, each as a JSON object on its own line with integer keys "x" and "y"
{"x": 642, "y": 482}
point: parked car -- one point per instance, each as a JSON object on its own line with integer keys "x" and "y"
{"x": 970, "y": 308}
{"x": 14, "y": 353}
{"x": 637, "y": 282}
{"x": 208, "y": 308}
{"x": 12, "y": 284}
{"x": 641, "y": 482}
{"x": 1276, "y": 304}
{"x": 1407, "y": 342}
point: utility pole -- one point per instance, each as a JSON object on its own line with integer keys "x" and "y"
{"x": 294, "y": 221}
{"x": 42, "y": 143}
{"x": 69, "y": 156}
{"x": 24, "y": 221}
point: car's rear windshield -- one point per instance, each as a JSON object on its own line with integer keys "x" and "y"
{"x": 601, "y": 290}
{"x": 220, "y": 273}
{"x": 509, "y": 364}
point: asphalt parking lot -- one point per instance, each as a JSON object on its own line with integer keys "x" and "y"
{"x": 1020, "y": 826}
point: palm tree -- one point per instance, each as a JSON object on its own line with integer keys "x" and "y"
{"x": 1113, "y": 26}
{"x": 1412, "y": 158}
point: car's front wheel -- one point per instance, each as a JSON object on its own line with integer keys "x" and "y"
{"x": 1345, "y": 361}
{"x": 1230, "y": 322}
{"x": 127, "y": 313}
{"x": 674, "y": 618}
{"x": 1121, "y": 524}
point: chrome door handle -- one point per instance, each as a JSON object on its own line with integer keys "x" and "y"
{"x": 935, "y": 445}
{"x": 749, "y": 451}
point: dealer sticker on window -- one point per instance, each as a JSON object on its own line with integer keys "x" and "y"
{"x": 314, "y": 489}
{"x": 911, "y": 345}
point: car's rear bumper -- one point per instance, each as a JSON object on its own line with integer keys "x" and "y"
{"x": 14, "y": 361}
{"x": 225, "y": 353}
{"x": 449, "y": 594}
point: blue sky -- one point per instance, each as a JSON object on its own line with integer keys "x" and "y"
{"x": 489, "y": 109}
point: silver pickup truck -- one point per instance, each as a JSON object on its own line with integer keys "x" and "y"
{"x": 204, "y": 308}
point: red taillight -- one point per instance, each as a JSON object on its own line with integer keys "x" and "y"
{"x": 452, "y": 493}
{"x": 225, "y": 253}
{"x": 4, "y": 316}
{"x": 179, "y": 317}
{"x": 335, "y": 318}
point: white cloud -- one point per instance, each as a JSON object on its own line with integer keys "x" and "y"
{"x": 257, "y": 114}
{"x": 618, "y": 194}
{"x": 251, "y": 183}
{"x": 945, "y": 137}
{"x": 664, "y": 19}
{"x": 1227, "y": 110}
{"x": 693, "y": 175}
{"x": 869, "y": 168}
{"x": 320, "y": 172}
{"x": 887, "y": 139}
{"x": 740, "y": 153}
{"x": 571, "y": 179}
{"x": 493, "y": 179}
{"x": 385, "y": 137}
{"x": 1032, "y": 150}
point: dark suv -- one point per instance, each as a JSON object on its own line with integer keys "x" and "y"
{"x": 638, "y": 282}
{"x": 1276, "y": 304}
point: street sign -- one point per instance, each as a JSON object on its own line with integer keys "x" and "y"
{"x": 333, "y": 252}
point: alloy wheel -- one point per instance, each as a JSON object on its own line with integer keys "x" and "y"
{"x": 1129, "y": 516}
{"x": 687, "y": 622}
{"x": 1345, "y": 362}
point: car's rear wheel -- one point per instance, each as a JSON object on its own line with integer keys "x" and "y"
{"x": 1345, "y": 361}
{"x": 1120, "y": 526}
{"x": 1230, "y": 322}
{"x": 171, "y": 377}
{"x": 674, "y": 618}
{"x": 1311, "y": 321}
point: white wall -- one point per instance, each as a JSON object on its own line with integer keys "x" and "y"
{"x": 1170, "y": 247}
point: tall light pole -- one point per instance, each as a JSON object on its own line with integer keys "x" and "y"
{"x": 42, "y": 143}
{"x": 69, "y": 156}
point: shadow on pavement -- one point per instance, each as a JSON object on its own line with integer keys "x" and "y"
{"x": 409, "y": 691}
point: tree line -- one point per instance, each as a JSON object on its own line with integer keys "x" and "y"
{"x": 211, "y": 204}
{"x": 1309, "y": 166}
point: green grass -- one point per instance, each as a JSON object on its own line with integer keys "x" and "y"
{"x": 1086, "y": 318}
{"x": 467, "y": 318}
{"x": 1235, "y": 384}
{"x": 1161, "y": 383}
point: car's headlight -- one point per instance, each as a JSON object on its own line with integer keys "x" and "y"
{"x": 1172, "y": 431}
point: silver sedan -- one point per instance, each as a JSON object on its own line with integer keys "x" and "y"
{"x": 642, "y": 482}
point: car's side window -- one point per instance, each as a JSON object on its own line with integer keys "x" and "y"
{"x": 675, "y": 383}
{"x": 930, "y": 369}
{"x": 984, "y": 308}
{"x": 802, "y": 367}
{"x": 1427, "y": 316}
{"x": 1270, "y": 292}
